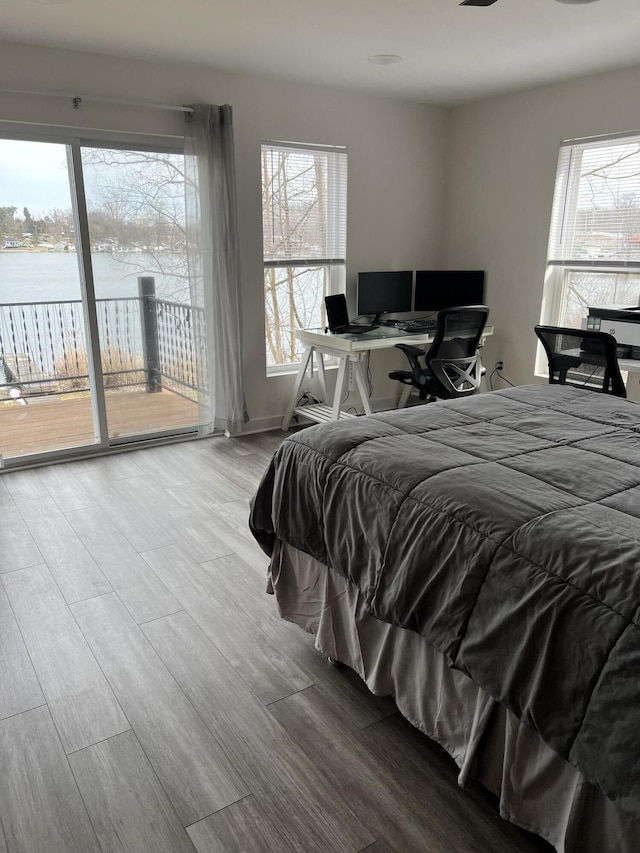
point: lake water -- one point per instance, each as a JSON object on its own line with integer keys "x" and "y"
{"x": 53, "y": 276}
{"x": 44, "y": 335}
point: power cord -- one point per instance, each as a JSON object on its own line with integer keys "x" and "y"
{"x": 369, "y": 378}
{"x": 498, "y": 369}
{"x": 590, "y": 377}
{"x": 306, "y": 399}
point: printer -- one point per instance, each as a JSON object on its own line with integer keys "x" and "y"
{"x": 622, "y": 322}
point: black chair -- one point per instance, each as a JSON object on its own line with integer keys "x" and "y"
{"x": 451, "y": 366}
{"x": 582, "y": 357}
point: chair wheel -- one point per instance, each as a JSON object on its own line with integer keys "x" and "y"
{"x": 333, "y": 661}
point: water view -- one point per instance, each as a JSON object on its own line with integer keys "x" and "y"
{"x": 53, "y": 276}
{"x": 147, "y": 381}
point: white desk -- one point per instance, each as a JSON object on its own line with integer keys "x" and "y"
{"x": 348, "y": 350}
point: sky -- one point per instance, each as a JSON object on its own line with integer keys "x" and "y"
{"x": 33, "y": 175}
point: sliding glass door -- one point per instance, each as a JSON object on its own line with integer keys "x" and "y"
{"x": 44, "y": 353}
{"x": 96, "y": 326}
{"x": 136, "y": 210}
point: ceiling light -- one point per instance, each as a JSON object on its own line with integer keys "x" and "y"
{"x": 576, "y": 2}
{"x": 384, "y": 58}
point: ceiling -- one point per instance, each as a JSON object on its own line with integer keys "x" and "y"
{"x": 450, "y": 54}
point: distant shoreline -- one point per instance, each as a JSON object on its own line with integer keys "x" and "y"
{"x": 38, "y": 250}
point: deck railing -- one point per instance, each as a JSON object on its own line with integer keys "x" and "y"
{"x": 144, "y": 341}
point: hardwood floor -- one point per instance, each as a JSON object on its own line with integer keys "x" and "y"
{"x": 58, "y": 422}
{"x": 151, "y": 700}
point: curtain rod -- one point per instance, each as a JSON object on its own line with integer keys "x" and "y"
{"x": 77, "y": 100}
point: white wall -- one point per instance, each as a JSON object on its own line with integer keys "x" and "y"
{"x": 503, "y": 155}
{"x": 396, "y": 157}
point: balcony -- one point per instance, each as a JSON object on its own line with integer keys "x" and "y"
{"x": 149, "y": 351}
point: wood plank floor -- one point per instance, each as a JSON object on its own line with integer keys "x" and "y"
{"x": 151, "y": 701}
{"x": 56, "y": 423}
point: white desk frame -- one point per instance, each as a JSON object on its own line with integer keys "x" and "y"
{"x": 348, "y": 350}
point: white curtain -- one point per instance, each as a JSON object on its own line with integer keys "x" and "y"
{"x": 214, "y": 267}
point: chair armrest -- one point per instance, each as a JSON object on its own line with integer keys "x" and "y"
{"x": 414, "y": 354}
{"x": 410, "y": 350}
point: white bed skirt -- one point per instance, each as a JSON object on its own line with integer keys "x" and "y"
{"x": 537, "y": 789}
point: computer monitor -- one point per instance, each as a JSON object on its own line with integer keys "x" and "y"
{"x": 436, "y": 289}
{"x": 384, "y": 292}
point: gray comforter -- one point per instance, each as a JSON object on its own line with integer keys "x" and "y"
{"x": 505, "y": 529}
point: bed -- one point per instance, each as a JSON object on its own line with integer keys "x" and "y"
{"x": 479, "y": 560}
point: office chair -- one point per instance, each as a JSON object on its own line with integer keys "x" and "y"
{"x": 451, "y": 366}
{"x": 582, "y": 357}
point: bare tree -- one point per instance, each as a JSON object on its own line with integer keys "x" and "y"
{"x": 294, "y": 192}
{"x": 136, "y": 203}
{"x": 8, "y": 221}
{"x": 606, "y": 207}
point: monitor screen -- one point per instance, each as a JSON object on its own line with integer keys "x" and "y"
{"x": 436, "y": 289}
{"x": 384, "y": 292}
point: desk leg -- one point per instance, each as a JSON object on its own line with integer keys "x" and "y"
{"x": 306, "y": 356}
{"x": 337, "y": 395}
{"x": 404, "y": 396}
{"x": 322, "y": 380}
{"x": 362, "y": 386}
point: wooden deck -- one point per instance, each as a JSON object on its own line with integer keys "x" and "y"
{"x": 55, "y": 423}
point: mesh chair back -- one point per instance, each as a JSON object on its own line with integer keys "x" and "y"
{"x": 459, "y": 331}
{"x": 583, "y": 358}
{"x": 453, "y": 356}
{"x": 451, "y": 366}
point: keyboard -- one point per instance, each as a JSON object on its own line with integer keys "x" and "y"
{"x": 422, "y": 324}
{"x": 354, "y": 329}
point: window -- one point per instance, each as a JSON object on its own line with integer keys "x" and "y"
{"x": 594, "y": 244}
{"x": 304, "y": 224}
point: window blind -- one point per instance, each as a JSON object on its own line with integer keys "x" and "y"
{"x": 596, "y": 207}
{"x": 304, "y": 204}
